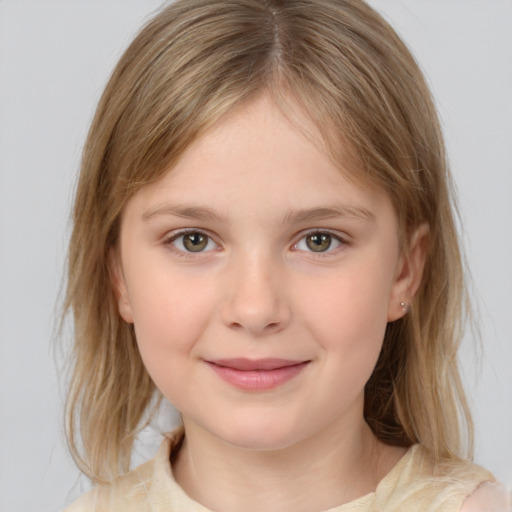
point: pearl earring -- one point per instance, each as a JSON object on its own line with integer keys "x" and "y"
{"x": 404, "y": 306}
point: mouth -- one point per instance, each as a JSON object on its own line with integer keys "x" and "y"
{"x": 257, "y": 374}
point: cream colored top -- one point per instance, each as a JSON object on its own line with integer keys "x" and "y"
{"x": 413, "y": 485}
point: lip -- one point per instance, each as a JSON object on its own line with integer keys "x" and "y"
{"x": 257, "y": 374}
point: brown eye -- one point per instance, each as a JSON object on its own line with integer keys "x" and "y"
{"x": 195, "y": 242}
{"x": 319, "y": 242}
{"x": 189, "y": 242}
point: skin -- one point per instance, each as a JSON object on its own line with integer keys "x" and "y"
{"x": 257, "y": 290}
{"x": 488, "y": 497}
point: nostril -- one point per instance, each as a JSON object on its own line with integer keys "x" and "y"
{"x": 253, "y": 304}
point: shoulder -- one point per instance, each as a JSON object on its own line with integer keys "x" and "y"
{"x": 126, "y": 493}
{"x": 488, "y": 497}
{"x": 418, "y": 484}
{"x": 135, "y": 490}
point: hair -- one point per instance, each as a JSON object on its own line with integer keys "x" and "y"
{"x": 350, "y": 73}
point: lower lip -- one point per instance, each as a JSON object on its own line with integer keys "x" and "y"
{"x": 258, "y": 380}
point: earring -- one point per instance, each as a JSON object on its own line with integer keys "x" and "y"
{"x": 404, "y": 307}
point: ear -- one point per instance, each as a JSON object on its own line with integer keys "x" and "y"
{"x": 119, "y": 286}
{"x": 409, "y": 273}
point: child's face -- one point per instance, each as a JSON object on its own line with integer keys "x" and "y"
{"x": 260, "y": 281}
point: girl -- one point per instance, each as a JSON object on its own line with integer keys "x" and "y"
{"x": 263, "y": 235}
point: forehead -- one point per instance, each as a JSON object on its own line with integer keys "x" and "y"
{"x": 256, "y": 161}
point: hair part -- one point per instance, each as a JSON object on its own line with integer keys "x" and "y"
{"x": 348, "y": 71}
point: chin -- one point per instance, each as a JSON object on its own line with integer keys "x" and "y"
{"x": 259, "y": 434}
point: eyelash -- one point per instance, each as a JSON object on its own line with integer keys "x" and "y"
{"x": 180, "y": 234}
{"x": 190, "y": 254}
{"x": 341, "y": 240}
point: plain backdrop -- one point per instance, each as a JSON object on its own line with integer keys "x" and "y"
{"x": 55, "y": 57}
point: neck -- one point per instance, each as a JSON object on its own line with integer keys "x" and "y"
{"x": 318, "y": 473}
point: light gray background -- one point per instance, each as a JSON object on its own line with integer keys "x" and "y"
{"x": 55, "y": 57}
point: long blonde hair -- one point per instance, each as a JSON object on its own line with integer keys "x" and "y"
{"x": 344, "y": 65}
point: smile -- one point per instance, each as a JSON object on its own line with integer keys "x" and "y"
{"x": 258, "y": 374}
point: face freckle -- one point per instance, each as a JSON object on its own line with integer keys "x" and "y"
{"x": 267, "y": 333}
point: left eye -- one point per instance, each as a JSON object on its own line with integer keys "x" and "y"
{"x": 318, "y": 242}
{"x": 193, "y": 241}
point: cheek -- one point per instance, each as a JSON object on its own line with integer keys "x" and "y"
{"x": 170, "y": 313}
{"x": 347, "y": 322}
{"x": 347, "y": 315}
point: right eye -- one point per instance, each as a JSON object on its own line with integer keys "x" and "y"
{"x": 192, "y": 242}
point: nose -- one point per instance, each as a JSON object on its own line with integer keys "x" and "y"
{"x": 255, "y": 300}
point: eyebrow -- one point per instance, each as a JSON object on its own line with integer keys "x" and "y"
{"x": 201, "y": 213}
{"x": 329, "y": 212}
{"x": 183, "y": 211}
